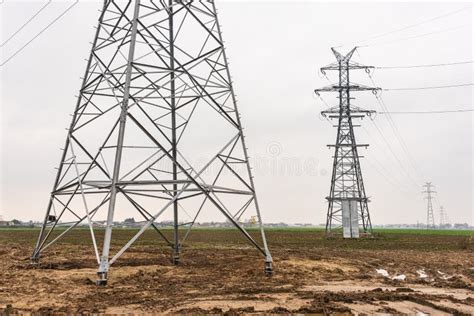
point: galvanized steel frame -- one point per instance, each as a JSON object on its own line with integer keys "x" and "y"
{"x": 115, "y": 72}
{"x": 346, "y": 180}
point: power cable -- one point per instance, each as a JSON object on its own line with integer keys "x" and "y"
{"x": 324, "y": 101}
{"x": 387, "y": 175}
{"x": 388, "y": 179}
{"x": 394, "y": 155}
{"x": 327, "y": 107}
{"x": 433, "y": 87}
{"x": 428, "y": 112}
{"x": 394, "y": 183}
{"x": 423, "y": 66}
{"x": 41, "y": 32}
{"x": 399, "y": 185}
{"x": 399, "y": 137}
{"x": 395, "y": 129}
{"x": 26, "y": 23}
{"x": 385, "y": 158}
{"x": 410, "y": 26}
{"x": 416, "y": 36}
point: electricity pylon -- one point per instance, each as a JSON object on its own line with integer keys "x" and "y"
{"x": 430, "y": 221}
{"x": 347, "y": 198}
{"x": 132, "y": 146}
{"x": 443, "y": 217}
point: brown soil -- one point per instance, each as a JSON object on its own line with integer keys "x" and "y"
{"x": 311, "y": 276}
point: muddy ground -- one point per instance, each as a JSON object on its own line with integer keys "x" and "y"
{"x": 221, "y": 273}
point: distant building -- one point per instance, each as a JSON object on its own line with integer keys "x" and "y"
{"x": 303, "y": 224}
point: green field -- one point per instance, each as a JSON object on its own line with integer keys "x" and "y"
{"x": 449, "y": 232}
{"x": 290, "y": 237}
{"x": 446, "y": 232}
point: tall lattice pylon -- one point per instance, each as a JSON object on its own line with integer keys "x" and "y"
{"x": 347, "y": 198}
{"x": 155, "y": 131}
{"x": 430, "y": 221}
{"x": 443, "y": 217}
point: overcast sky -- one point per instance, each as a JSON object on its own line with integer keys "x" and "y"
{"x": 275, "y": 50}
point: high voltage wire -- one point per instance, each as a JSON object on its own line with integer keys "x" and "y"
{"x": 433, "y": 87}
{"x": 410, "y": 26}
{"x": 428, "y": 112}
{"x": 26, "y": 23}
{"x": 423, "y": 66}
{"x": 395, "y": 128}
{"x": 418, "y": 24}
{"x": 324, "y": 101}
{"x": 394, "y": 155}
{"x": 41, "y": 32}
{"x": 416, "y": 36}
{"x": 396, "y": 133}
{"x": 392, "y": 122}
{"x": 398, "y": 184}
{"x": 398, "y": 136}
{"x": 392, "y": 180}
{"x": 388, "y": 179}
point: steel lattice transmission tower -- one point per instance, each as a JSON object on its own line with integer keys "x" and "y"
{"x": 156, "y": 131}
{"x": 443, "y": 217}
{"x": 347, "y": 197}
{"x": 430, "y": 221}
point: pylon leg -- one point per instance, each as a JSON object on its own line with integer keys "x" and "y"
{"x": 102, "y": 272}
{"x": 35, "y": 258}
{"x": 101, "y": 279}
{"x": 176, "y": 254}
{"x": 268, "y": 266}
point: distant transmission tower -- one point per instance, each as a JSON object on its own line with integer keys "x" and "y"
{"x": 132, "y": 145}
{"x": 347, "y": 198}
{"x": 430, "y": 222}
{"x": 443, "y": 217}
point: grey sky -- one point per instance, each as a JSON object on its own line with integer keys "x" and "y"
{"x": 275, "y": 50}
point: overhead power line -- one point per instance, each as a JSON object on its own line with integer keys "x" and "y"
{"x": 397, "y": 184}
{"x": 423, "y": 66}
{"x": 428, "y": 112}
{"x": 389, "y": 178}
{"x": 433, "y": 87}
{"x": 396, "y": 131}
{"x": 402, "y": 166}
{"x": 399, "y": 137}
{"x": 416, "y": 36}
{"x": 389, "y": 170}
{"x": 41, "y": 32}
{"x": 409, "y": 26}
{"x": 26, "y": 23}
{"x": 397, "y": 134}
